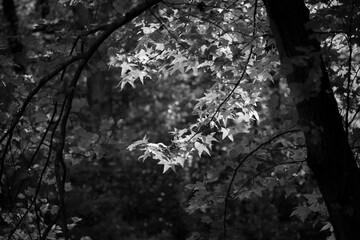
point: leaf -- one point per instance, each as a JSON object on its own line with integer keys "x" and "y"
{"x": 327, "y": 226}
{"x": 132, "y": 146}
{"x": 40, "y": 117}
{"x": 167, "y": 165}
{"x": 201, "y": 148}
{"x": 85, "y": 238}
{"x": 140, "y": 74}
{"x": 209, "y": 139}
{"x": 264, "y": 75}
{"x": 302, "y": 212}
{"x": 126, "y": 68}
{"x": 54, "y": 210}
{"x": 78, "y": 104}
{"x": 194, "y": 236}
{"x": 197, "y": 186}
{"x": 76, "y": 219}
{"x": 226, "y": 133}
{"x": 21, "y": 196}
{"x": 145, "y": 156}
{"x": 206, "y": 219}
{"x": 8, "y": 218}
{"x": 180, "y": 160}
{"x": 106, "y": 124}
{"x": 68, "y": 187}
{"x": 290, "y": 189}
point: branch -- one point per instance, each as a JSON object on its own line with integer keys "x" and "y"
{"x": 234, "y": 88}
{"x": 241, "y": 161}
{"x": 135, "y": 12}
{"x": 60, "y": 181}
{"x": 67, "y": 107}
{"x": 22, "y": 109}
{"x": 41, "y": 175}
{"x": 172, "y": 35}
{"x": 264, "y": 171}
{"x": 59, "y": 153}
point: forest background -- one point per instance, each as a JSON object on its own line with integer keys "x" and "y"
{"x": 179, "y": 119}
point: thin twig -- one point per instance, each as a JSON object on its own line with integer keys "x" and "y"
{"x": 263, "y": 171}
{"x": 21, "y": 111}
{"x": 241, "y": 160}
{"x": 59, "y": 153}
{"x": 40, "y": 179}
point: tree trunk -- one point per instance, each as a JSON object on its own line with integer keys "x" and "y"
{"x": 329, "y": 154}
{"x": 13, "y": 38}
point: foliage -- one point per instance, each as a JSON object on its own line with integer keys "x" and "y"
{"x": 196, "y": 86}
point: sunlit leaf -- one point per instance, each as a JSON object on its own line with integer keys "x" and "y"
{"x": 201, "y": 148}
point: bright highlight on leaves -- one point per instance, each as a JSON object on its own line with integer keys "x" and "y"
{"x": 201, "y": 148}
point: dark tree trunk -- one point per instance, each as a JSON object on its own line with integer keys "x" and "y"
{"x": 329, "y": 154}
{"x": 11, "y": 30}
{"x": 43, "y": 7}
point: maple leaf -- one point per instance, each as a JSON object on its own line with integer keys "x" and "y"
{"x": 132, "y": 146}
{"x": 126, "y": 68}
{"x": 167, "y": 165}
{"x": 180, "y": 161}
{"x": 302, "y": 212}
{"x": 209, "y": 139}
{"x": 226, "y": 133}
{"x": 201, "y": 148}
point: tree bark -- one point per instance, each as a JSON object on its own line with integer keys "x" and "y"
{"x": 13, "y": 38}
{"x": 329, "y": 154}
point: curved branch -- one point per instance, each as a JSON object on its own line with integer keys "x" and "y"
{"x": 41, "y": 175}
{"x": 22, "y": 109}
{"x": 135, "y": 12}
{"x": 59, "y": 153}
{"x": 264, "y": 171}
{"x": 241, "y": 161}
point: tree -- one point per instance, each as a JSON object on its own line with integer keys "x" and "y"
{"x": 329, "y": 153}
{"x": 267, "y": 99}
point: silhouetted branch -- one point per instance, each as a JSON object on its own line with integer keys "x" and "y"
{"x": 241, "y": 160}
